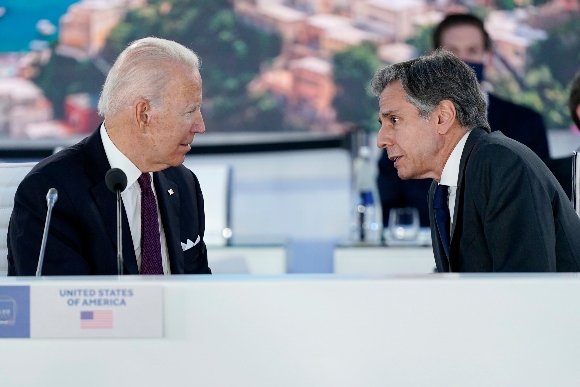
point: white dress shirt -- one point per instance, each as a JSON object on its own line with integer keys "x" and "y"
{"x": 131, "y": 197}
{"x": 450, "y": 175}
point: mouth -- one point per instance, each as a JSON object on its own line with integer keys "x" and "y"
{"x": 395, "y": 160}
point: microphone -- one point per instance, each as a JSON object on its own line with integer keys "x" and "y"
{"x": 51, "y": 198}
{"x": 116, "y": 181}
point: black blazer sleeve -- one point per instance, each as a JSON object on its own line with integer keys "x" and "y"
{"x": 64, "y": 242}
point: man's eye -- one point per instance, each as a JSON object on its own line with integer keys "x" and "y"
{"x": 394, "y": 120}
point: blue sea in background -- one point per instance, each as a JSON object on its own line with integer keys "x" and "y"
{"x": 18, "y": 25}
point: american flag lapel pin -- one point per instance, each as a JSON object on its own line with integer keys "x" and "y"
{"x": 170, "y": 192}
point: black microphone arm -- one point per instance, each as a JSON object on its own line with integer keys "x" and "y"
{"x": 51, "y": 198}
{"x": 117, "y": 181}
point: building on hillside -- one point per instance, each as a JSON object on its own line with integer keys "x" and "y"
{"x": 344, "y": 38}
{"x": 317, "y": 26}
{"x": 310, "y": 102}
{"x": 396, "y": 52}
{"x": 305, "y": 87}
{"x": 568, "y": 5}
{"x": 392, "y": 19}
{"x": 87, "y": 24}
{"x": 511, "y": 37}
{"x": 21, "y": 103}
{"x": 272, "y": 17}
{"x": 81, "y": 112}
{"x": 338, "y": 7}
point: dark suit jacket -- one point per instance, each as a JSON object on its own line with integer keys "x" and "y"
{"x": 83, "y": 230}
{"x": 511, "y": 214}
{"x": 515, "y": 121}
{"x": 519, "y": 123}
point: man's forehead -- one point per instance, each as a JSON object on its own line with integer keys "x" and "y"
{"x": 460, "y": 34}
{"x": 392, "y": 93}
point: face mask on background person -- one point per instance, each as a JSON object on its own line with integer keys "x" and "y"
{"x": 478, "y": 68}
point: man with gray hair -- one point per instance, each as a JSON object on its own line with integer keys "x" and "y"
{"x": 151, "y": 103}
{"x": 574, "y": 101}
{"x": 494, "y": 205}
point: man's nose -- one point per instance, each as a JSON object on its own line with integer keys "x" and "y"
{"x": 199, "y": 125}
{"x": 384, "y": 140}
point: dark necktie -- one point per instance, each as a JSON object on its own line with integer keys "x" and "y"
{"x": 150, "y": 242}
{"x": 442, "y": 215}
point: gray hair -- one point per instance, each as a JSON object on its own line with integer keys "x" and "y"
{"x": 140, "y": 71}
{"x": 430, "y": 79}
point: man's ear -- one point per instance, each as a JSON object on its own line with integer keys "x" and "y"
{"x": 445, "y": 115}
{"x": 142, "y": 111}
{"x": 578, "y": 111}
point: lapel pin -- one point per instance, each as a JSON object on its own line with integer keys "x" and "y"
{"x": 170, "y": 191}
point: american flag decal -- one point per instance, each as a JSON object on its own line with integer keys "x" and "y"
{"x": 97, "y": 319}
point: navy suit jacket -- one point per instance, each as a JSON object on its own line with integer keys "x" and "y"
{"x": 82, "y": 237}
{"x": 511, "y": 214}
{"x": 517, "y": 122}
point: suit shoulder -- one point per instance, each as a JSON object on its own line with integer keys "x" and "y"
{"x": 497, "y": 149}
{"x": 498, "y": 142}
{"x": 62, "y": 162}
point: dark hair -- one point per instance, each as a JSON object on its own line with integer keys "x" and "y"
{"x": 574, "y": 99}
{"x": 430, "y": 79}
{"x": 460, "y": 19}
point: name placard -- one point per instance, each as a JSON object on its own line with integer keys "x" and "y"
{"x": 63, "y": 311}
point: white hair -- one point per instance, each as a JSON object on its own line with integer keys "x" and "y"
{"x": 140, "y": 71}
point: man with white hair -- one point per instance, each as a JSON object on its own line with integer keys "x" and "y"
{"x": 151, "y": 103}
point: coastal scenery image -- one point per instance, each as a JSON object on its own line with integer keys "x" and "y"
{"x": 270, "y": 65}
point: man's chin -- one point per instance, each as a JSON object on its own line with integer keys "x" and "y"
{"x": 402, "y": 175}
{"x": 178, "y": 162}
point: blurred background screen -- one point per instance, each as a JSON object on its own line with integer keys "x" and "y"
{"x": 268, "y": 65}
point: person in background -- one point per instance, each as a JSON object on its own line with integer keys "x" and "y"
{"x": 494, "y": 205}
{"x": 151, "y": 103}
{"x": 465, "y": 36}
{"x": 574, "y": 101}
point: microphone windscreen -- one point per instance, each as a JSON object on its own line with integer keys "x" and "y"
{"x": 52, "y": 196}
{"x": 116, "y": 179}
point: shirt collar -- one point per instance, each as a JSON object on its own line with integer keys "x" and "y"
{"x": 450, "y": 174}
{"x": 117, "y": 159}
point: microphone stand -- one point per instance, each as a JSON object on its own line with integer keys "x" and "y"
{"x": 51, "y": 198}
{"x": 576, "y": 181}
{"x": 119, "y": 237}
{"x": 116, "y": 181}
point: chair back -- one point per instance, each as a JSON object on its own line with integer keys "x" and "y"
{"x": 11, "y": 174}
{"x": 215, "y": 182}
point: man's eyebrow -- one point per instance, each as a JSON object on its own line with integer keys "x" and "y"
{"x": 192, "y": 106}
{"x": 387, "y": 113}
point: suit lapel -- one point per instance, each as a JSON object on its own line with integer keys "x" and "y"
{"x": 168, "y": 198}
{"x": 107, "y": 204}
{"x": 474, "y": 136}
{"x": 97, "y": 166}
